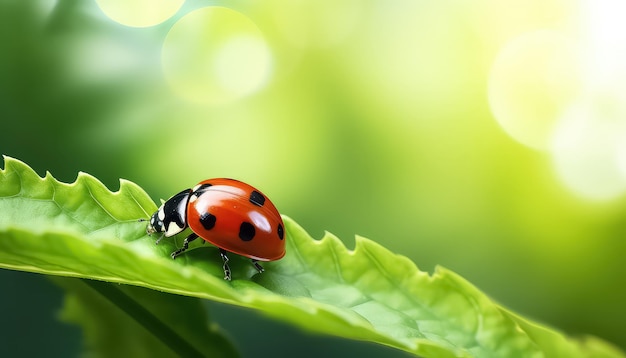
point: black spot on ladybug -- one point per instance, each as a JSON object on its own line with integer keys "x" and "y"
{"x": 281, "y": 232}
{"x": 207, "y": 220}
{"x": 246, "y": 231}
{"x": 257, "y": 198}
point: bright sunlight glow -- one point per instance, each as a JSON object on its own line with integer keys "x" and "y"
{"x": 588, "y": 146}
{"x": 565, "y": 92}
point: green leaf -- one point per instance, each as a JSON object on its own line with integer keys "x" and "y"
{"x": 84, "y": 230}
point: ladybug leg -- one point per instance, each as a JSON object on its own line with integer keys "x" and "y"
{"x": 188, "y": 239}
{"x": 226, "y": 267}
{"x": 257, "y": 266}
{"x": 159, "y": 239}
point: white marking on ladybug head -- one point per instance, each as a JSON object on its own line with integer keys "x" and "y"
{"x": 195, "y": 188}
{"x": 193, "y": 198}
{"x": 161, "y": 214}
{"x": 173, "y": 229}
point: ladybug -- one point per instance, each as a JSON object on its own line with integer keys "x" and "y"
{"x": 229, "y": 214}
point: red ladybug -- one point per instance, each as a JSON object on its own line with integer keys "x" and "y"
{"x": 229, "y": 214}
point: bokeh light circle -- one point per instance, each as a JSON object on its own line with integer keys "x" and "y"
{"x": 533, "y": 79}
{"x": 588, "y": 149}
{"x": 215, "y": 55}
{"x": 139, "y": 13}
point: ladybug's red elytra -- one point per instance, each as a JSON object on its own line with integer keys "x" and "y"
{"x": 229, "y": 214}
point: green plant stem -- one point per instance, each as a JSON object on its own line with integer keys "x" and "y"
{"x": 145, "y": 318}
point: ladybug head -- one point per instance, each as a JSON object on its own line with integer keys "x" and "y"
{"x": 155, "y": 224}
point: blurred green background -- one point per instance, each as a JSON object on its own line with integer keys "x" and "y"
{"x": 485, "y": 136}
